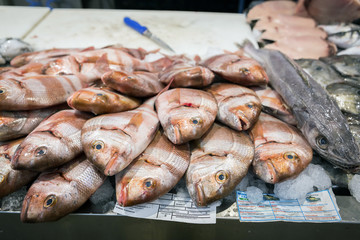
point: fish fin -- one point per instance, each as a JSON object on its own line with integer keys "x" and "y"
{"x": 88, "y": 49}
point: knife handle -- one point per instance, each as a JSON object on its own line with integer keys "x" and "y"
{"x": 134, "y": 25}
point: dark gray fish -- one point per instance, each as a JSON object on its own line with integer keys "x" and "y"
{"x": 346, "y": 65}
{"x": 318, "y": 116}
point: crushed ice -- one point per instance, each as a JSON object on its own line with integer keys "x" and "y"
{"x": 354, "y": 187}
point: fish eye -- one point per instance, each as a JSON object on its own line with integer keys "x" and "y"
{"x": 221, "y": 176}
{"x": 244, "y": 70}
{"x": 50, "y": 201}
{"x": 129, "y": 78}
{"x": 40, "y": 151}
{"x": 358, "y": 92}
{"x": 250, "y": 105}
{"x": 98, "y": 145}
{"x": 195, "y": 121}
{"x": 2, "y": 90}
{"x": 99, "y": 94}
{"x": 149, "y": 184}
{"x": 2, "y": 178}
{"x": 291, "y": 156}
{"x": 318, "y": 68}
{"x": 322, "y": 142}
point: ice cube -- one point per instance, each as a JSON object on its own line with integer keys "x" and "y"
{"x": 254, "y": 194}
{"x": 313, "y": 178}
{"x": 354, "y": 187}
{"x": 13, "y": 201}
{"x": 319, "y": 176}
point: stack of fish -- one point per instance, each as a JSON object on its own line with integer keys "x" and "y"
{"x": 287, "y": 27}
{"x": 126, "y": 123}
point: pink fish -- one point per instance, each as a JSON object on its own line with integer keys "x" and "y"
{"x": 185, "y": 114}
{"x": 237, "y": 69}
{"x": 239, "y": 107}
{"x": 153, "y": 173}
{"x": 54, "y": 142}
{"x": 281, "y": 151}
{"x": 112, "y": 141}
{"x": 55, "y": 194}
{"x": 219, "y": 161}
{"x": 10, "y": 179}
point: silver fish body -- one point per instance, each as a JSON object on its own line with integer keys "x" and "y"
{"x": 239, "y": 107}
{"x": 112, "y": 141}
{"x": 346, "y": 96}
{"x": 55, "y": 194}
{"x": 346, "y": 65}
{"x": 10, "y": 179}
{"x": 219, "y": 161}
{"x": 354, "y": 123}
{"x": 153, "y": 173}
{"x": 344, "y": 36}
{"x": 318, "y": 116}
{"x": 185, "y": 114}
{"x": 55, "y": 141}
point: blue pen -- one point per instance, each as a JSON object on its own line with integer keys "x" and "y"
{"x": 145, "y": 31}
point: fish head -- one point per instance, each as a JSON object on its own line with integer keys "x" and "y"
{"x": 38, "y": 152}
{"x": 240, "y": 112}
{"x": 338, "y": 147}
{"x": 138, "y": 187}
{"x": 85, "y": 98}
{"x": 108, "y": 149}
{"x": 48, "y": 200}
{"x": 11, "y": 91}
{"x": 276, "y": 162}
{"x": 208, "y": 182}
{"x": 186, "y": 124}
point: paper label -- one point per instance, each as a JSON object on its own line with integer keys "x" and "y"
{"x": 318, "y": 207}
{"x": 171, "y": 207}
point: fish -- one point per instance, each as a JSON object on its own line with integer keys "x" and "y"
{"x": 111, "y": 141}
{"x": 185, "y": 74}
{"x": 354, "y": 124}
{"x": 346, "y": 65}
{"x": 11, "y": 180}
{"x": 12, "y": 47}
{"x": 57, "y": 193}
{"x": 219, "y": 161}
{"x": 26, "y": 58}
{"x": 101, "y": 100}
{"x": 239, "y": 107}
{"x": 346, "y": 96}
{"x": 14, "y": 124}
{"x": 237, "y": 69}
{"x": 153, "y": 173}
{"x": 297, "y": 47}
{"x": 73, "y": 64}
{"x": 281, "y": 151}
{"x": 318, "y": 117}
{"x": 54, "y": 142}
{"x": 343, "y": 35}
{"x": 273, "y": 104}
{"x": 136, "y": 84}
{"x": 279, "y": 32}
{"x": 271, "y": 8}
{"x": 321, "y": 72}
{"x": 35, "y": 92}
{"x": 185, "y": 114}
{"x": 350, "y": 51}
{"x": 333, "y": 11}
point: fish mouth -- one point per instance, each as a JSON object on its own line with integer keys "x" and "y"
{"x": 112, "y": 167}
{"x": 174, "y": 134}
{"x": 200, "y": 195}
{"x": 24, "y": 212}
{"x": 15, "y": 164}
{"x": 243, "y": 121}
{"x": 122, "y": 198}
